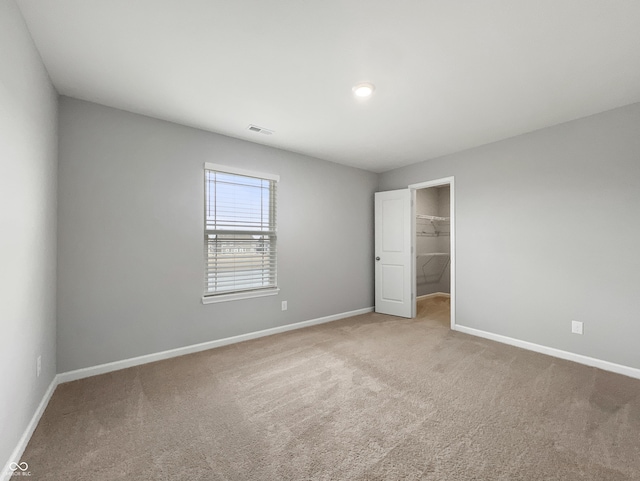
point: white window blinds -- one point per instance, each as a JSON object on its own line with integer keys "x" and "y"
{"x": 240, "y": 230}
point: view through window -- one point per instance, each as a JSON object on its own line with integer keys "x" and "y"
{"x": 240, "y": 230}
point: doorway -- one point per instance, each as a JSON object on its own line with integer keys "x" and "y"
{"x": 395, "y": 250}
{"x": 434, "y": 255}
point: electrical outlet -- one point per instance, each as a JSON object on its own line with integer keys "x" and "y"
{"x": 576, "y": 327}
{"x": 284, "y": 305}
{"x": 38, "y": 366}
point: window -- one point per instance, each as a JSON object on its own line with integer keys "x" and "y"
{"x": 240, "y": 233}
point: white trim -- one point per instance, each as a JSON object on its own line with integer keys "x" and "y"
{"x": 414, "y": 254}
{"x": 181, "y": 351}
{"x": 433, "y": 294}
{"x": 114, "y": 366}
{"x": 235, "y": 170}
{"x": 432, "y": 183}
{"x": 551, "y": 351}
{"x": 450, "y": 181}
{"x": 240, "y": 295}
{"x": 5, "y": 475}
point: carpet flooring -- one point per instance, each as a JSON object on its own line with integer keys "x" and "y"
{"x": 371, "y": 397}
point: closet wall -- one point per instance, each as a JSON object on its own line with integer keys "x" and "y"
{"x": 433, "y": 247}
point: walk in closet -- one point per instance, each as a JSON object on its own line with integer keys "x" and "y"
{"x": 433, "y": 243}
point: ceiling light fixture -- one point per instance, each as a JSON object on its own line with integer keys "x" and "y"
{"x": 363, "y": 89}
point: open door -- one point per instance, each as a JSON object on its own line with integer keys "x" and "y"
{"x": 393, "y": 251}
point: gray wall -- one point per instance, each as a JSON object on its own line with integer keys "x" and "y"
{"x": 548, "y": 230}
{"x": 28, "y": 157}
{"x": 131, "y": 247}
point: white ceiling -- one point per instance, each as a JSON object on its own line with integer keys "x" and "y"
{"x": 449, "y": 74}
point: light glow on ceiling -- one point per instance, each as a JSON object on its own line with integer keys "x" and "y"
{"x": 363, "y": 89}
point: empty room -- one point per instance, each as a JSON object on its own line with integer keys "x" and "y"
{"x": 338, "y": 240}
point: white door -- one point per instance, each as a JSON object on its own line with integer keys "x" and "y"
{"x": 393, "y": 255}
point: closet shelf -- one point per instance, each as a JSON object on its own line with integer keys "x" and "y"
{"x": 433, "y": 218}
{"x": 437, "y": 223}
{"x": 433, "y": 271}
{"x": 432, "y": 234}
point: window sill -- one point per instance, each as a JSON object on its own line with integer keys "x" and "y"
{"x": 236, "y": 296}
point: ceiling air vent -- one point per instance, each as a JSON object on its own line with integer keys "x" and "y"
{"x": 260, "y": 130}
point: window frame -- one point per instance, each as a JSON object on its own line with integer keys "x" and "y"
{"x": 208, "y": 298}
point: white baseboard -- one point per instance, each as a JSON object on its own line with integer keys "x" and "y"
{"x": 6, "y": 473}
{"x": 181, "y": 351}
{"x": 433, "y": 294}
{"x": 551, "y": 351}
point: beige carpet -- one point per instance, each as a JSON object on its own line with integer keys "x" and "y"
{"x": 372, "y": 397}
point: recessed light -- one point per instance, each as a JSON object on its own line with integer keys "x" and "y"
{"x": 363, "y": 89}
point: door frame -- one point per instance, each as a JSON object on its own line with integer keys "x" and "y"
{"x": 450, "y": 181}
